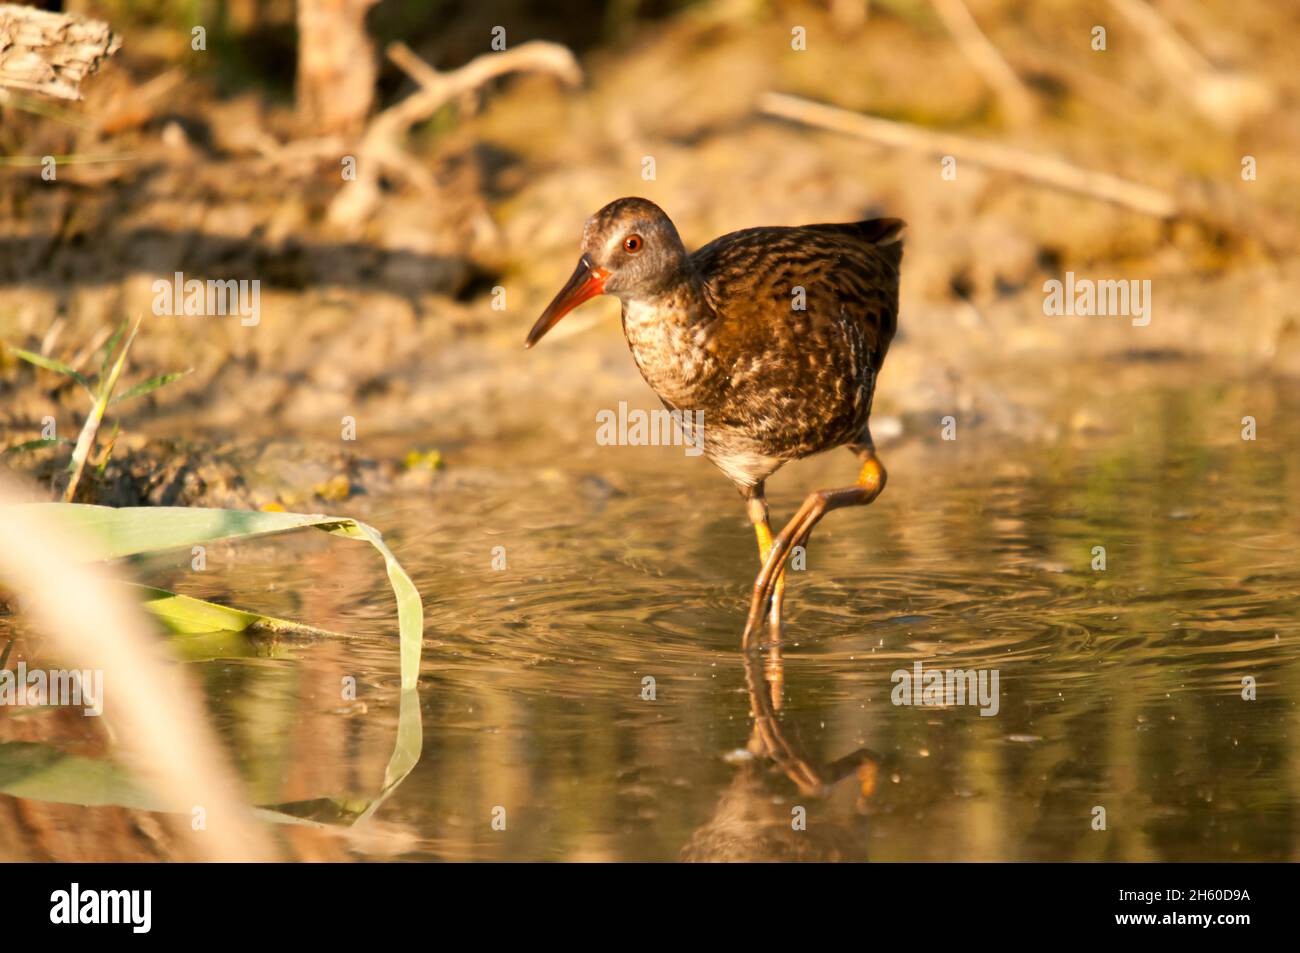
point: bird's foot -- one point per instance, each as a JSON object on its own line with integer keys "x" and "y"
{"x": 871, "y": 480}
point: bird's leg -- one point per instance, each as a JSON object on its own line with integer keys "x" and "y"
{"x": 775, "y": 668}
{"x": 871, "y": 480}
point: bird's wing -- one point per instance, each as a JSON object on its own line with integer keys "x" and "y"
{"x": 813, "y": 288}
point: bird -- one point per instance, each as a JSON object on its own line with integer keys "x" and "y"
{"x": 769, "y": 339}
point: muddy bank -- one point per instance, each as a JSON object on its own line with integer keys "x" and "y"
{"x": 410, "y": 322}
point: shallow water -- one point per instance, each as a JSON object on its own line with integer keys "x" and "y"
{"x": 1120, "y": 688}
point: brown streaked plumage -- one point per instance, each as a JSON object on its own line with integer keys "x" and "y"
{"x": 776, "y": 335}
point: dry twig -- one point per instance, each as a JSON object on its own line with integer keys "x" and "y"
{"x": 380, "y": 148}
{"x": 1045, "y": 169}
{"x": 1018, "y": 102}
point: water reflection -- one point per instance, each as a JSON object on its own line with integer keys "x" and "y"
{"x": 754, "y": 820}
{"x": 1121, "y": 687}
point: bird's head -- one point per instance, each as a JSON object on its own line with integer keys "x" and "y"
{"x": 630, "y": 249}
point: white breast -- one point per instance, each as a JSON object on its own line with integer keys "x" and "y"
{"x": 663, "y": 341}
{"x": 745, "y": 468}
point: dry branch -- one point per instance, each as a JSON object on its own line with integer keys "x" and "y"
{"x": 1047, "y": 170}
{"x": 1017, "y": 101}
{"x": 50, "y": 53}
{"x": 380, "y": 149}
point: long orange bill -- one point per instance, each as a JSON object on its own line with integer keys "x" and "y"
{"x": 586, "y": 282}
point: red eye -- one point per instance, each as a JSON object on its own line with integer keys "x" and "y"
{"x": 632, "y": 243}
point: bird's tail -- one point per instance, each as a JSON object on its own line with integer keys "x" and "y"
{"x": 886, "y": 235}
{"x": 882, "y": 231}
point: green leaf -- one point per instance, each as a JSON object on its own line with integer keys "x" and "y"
{"x": 139, "y": 390}
{"x": 44, "y": 773}
{"x": 131, "y": 530}
{"x": 41, "y": 444}
{"x": 108, "y": 382}
{"x": 115, "y": 533}
{"x": 185, "y": 615}
{"x": 50, "y": 364}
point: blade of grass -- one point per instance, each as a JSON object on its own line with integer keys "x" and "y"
{"x": 40, "y": 444}
{"x": 39, "y": 107}
{"x": 50, "y": 364}
{"x": 110, "y": 346}
{"x": 25, "y": 162}
{"x": 145, "y": 387}
{"x": 87, "y": 437}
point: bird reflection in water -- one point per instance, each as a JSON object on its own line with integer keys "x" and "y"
{"x": 757, "y": 820}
